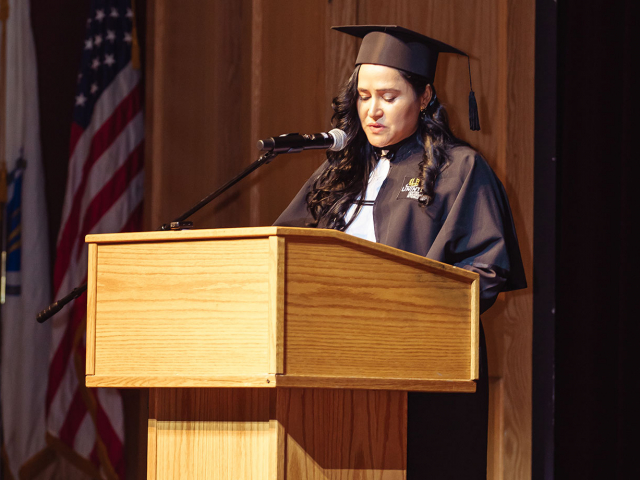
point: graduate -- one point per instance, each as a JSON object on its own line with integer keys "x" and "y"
{"x": 405, "y": 180}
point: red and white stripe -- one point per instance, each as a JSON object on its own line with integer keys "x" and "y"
{"x": 104, "y": 194}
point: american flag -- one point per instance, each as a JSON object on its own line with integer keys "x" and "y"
{"x": 103, "y": 194}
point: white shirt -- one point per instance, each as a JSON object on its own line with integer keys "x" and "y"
{"x": 362, "y": 226}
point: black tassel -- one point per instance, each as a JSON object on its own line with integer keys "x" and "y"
{"x": 474, "y": 120}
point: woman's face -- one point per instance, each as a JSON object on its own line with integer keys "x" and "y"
{"x": 387, "y": 105}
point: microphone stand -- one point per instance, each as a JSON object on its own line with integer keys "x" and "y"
{"x": 176, "y": 224}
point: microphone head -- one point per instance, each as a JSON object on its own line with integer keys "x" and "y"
{"x": 268, "y": 144}
{"x": 339, "y": 139}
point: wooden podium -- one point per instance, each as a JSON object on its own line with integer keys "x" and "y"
{"x": 276, "y": 353}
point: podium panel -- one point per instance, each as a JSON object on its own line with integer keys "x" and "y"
{"x": 201, "y": 308}
{"x": 269, "y": 434}
{"x": 354, "y": 312}
{"x": 210, "y": 433}
{"x": 344, "y": 434}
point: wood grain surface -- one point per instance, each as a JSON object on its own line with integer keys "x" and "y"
{"x": 213, "y": 433}
{"x": 516, "y": 318}
{"x": 277, "y": 459}
{"x": 284, "y": 434}
{"x": 198, "y": 108}
{"x": 475, "y": 329}
{"x": 180, "y": 381}
{"x": 290, "y": 82}
{"x": 372, "y": 383}
{"x": 152, "y": 448}
{"x": 193, "y": 309}
{"x": 91, "y": 308}
{"x": 274, "y": 381}
{"x": 344, "y": 434}
{"x": 276, "y": 303}
{"x": 264, "y": 232}
{"x": 350, "y": 312}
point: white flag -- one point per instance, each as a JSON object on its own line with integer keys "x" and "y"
{"x": 25, "y": 343}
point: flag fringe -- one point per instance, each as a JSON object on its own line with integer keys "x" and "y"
{"x": 135, "y": 45}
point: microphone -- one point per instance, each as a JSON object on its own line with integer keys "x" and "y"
{"x": 55, "y": 307}
{"x": 335, "y": 140}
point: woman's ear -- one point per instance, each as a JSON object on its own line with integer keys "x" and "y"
{"x": 425, "y": 98}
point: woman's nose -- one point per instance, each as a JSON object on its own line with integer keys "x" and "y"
{"x": 375, "y": 112}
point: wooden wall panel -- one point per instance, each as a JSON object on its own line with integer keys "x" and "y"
{"x": 223, "y": 74}
{"x": 517, "y": 332}
{"x": 300, "y": 63}
{"x": 198, "y": 108}
{"x": 291, "y": 75}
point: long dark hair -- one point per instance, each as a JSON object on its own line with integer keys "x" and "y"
{"x": 345, "y": 179}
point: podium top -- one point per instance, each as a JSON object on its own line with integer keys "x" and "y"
{"x": 261, "y": 232}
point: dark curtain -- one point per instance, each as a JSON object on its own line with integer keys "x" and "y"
{"x": 597, "y": 317}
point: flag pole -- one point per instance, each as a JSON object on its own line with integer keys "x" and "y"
{"x": 4, "y": 16}
{"x": 135, "y": 45}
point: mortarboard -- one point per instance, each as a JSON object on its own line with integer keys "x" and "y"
{"x": 398, "y": 47}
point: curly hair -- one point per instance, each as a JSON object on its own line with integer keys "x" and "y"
{"x": 346, "y": 177}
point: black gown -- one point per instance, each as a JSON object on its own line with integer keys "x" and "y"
{"x": 469, "y": 225}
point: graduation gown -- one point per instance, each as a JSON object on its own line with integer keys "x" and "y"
{"x": 469, "y": 223}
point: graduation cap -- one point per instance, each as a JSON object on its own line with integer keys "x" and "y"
{"x": 398, "y": 47}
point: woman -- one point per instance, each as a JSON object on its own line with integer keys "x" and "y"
{"x": 405, "y": 180}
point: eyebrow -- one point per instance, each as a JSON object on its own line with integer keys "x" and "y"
{"x": 380, "y": 90}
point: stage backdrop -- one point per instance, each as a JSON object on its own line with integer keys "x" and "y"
{"x": 220, "y": 75}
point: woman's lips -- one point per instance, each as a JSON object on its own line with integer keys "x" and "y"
{"x": 375, "y": 127}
